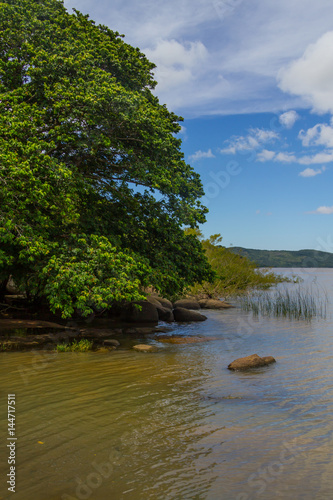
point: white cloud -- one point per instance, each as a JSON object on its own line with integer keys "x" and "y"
{"x": 177, "y": 63}
{"x": 311, "y": 76}
{"x": 323, "y": 210}
{"x": 310, "y": 172}
{"x": 288, "y": 118}
{"x": 254, "y": 140}
{"x": 236, "y": 71}
{"x": 201, "y": 154}
{"x": 319, "y": 135}
{"x": 285, "y": 158}
{"x": 318, "y": 158}
{"x": 265, "y": 155}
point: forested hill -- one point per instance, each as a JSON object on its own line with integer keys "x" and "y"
{"x": 286, "y": 258}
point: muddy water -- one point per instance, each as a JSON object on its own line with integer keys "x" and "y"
{"x": 177, "y": 424}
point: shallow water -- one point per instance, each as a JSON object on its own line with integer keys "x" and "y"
{"x": 177, "y": 424}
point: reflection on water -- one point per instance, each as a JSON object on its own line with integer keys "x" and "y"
{"x": 177, "y": 424}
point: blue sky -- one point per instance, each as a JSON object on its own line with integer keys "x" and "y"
{"x": 254, "y": 82}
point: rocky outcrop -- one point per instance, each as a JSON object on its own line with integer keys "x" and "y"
{"x": 182, "y": 314}
{"x": 164, "y": 313}
{"x": 214, "y": 304}
{"x": 253, "y": 361}
{"x": 187, "y": 304}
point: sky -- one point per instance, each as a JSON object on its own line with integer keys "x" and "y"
{"x": 253, "y": 80}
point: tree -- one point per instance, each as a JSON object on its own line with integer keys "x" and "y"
{"x": 234, "y": 273}
{"x": 94, "y": 187}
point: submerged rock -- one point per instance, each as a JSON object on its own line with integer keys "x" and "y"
{"x": 175, "y": 339}
{"x": 182, "y": 314}
{"x": 145, "y": 348}
{"x": 111, "y": 342}
{"x": 214, "y": 304}
{"x": 253, "y": 361}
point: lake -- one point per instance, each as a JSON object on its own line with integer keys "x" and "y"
{"x": 177, "y": 424}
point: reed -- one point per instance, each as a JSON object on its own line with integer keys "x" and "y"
{"x": 299, "y": 303}
{"x": 83, "y": 345}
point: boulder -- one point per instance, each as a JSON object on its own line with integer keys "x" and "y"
{"x": 146, "y": 314}
{"x": 111, "y": 343}
{"x": 165, "y": 303}
{"x": 164, "y": 313}
{"x": 187, "y": 304}
{"x": 253, "y": 361}
{"x": 145, "y": 348}
{"x": 182, "y": 314}
{"x": 214, "y": 304}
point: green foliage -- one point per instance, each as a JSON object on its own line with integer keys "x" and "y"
{"x": 83, "y": 345}
{"x": 94, "y": 186}
{"x": 234, "y": 274}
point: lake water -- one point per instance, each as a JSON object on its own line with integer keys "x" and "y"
{"x": 177, "y": 424}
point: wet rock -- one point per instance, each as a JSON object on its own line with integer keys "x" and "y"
{"x": 145, "y": 348}
{"x": 146, "y": 314}
{"x": 7, "y": 324}
{"x": 111, "y": 342}
{"x": 214, "y": 304}
{"x": 253, "y": 361}
{"x": 187, "y": 304}
{"x": 139, "y": 331}
{"x": 182, "y": 314}
{"x": 165, "y": 303}
{"x": 165, "y": 314}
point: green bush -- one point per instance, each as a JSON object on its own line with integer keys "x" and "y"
{"x": 83, "y": 345}
{"x": 234, "y": 273}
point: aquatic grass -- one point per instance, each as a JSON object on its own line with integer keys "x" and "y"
{"x": 83, "y": 345}
{"x": 297, "y": 303}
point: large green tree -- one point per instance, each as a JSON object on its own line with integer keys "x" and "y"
{"x": 94, "y": 187}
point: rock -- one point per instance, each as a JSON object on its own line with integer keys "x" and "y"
{"x": 11, "y": 287}
{"x": 145, "y": 348}
{"x": 253, "y": 361}
{"x": 182, "y": 314}
{"x": 104, "y": 350}
{"x": 214, "y": 304}
{"x": 165, "y": 314}
{"x": 139, "y": 331}
{"x": 187, "y": 304}
{"x": 153, "y": 300}
{"x": 165, "y": 303}
{"x": 111, "y": 342}
{"x": 147, "y": 314}
{"x": 176, "y": 339}
{"x": 7, "y": 324}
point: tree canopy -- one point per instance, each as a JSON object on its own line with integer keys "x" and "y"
{"x": 94, "y": 187}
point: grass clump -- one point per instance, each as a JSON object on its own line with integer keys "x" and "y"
{"x": 300, "y": 303}
{"x": 83, "y": 345}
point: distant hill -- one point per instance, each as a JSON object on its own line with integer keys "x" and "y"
{"x": 286, "y": 258}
